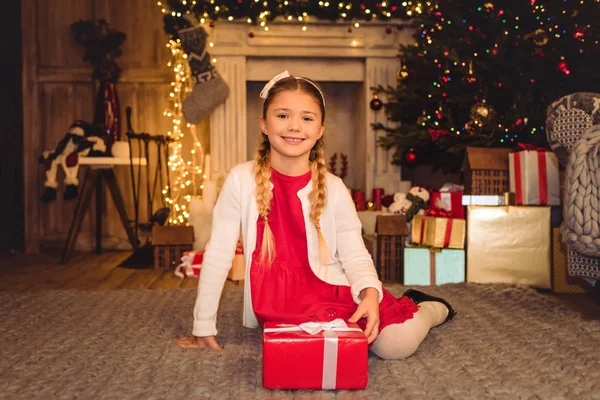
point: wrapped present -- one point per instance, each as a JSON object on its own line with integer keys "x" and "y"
{"x": 430, "y": 267}
{"x": 509, "y": 244}
{"x": 450, "y": 202}
{"x": 534, "y": 178}
{"x": 315, "y": 355}
{"x": 561, "y": 281}
{"x": 438, "y": 232}
{"x": 191, "y": 262}
{"x": 486, "y": 200}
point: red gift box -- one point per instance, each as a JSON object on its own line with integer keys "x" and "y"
{"x": 315, "y": 355}
{"x": 449, "y": 201}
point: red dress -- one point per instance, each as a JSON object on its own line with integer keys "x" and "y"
{"x": 288, "y": 291}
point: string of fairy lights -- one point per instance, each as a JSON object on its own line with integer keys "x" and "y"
{"x": 186, "y": 176}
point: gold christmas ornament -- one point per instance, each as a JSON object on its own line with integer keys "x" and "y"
{"x": 481, "y": 112}
{"x": 402, "y": 73}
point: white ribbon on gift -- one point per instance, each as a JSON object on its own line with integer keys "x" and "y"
{"x": 330, "y": 353}
{"x": 265, "y": 92}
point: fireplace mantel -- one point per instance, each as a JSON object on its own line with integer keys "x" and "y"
{"x": 326, "y": 52}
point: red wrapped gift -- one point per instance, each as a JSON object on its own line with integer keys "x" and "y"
{"x": 448, "y": 201}
{"x": 534, "y": 176}
{"x": 315, "y": 355}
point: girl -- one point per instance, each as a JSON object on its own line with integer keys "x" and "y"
{"x": 299, "y": 225}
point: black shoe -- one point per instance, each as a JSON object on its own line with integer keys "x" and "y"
{"x": 71, "y": 192}
{"x": 48, "y": 195}
{"x": 419, "y": 297}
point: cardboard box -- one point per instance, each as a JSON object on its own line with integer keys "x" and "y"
{"x": 334, "y": 358}
{"x": 429, "y": 267}
{"x": 509, "y": 244}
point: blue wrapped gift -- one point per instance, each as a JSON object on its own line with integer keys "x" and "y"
{"x": 423, "y": 266}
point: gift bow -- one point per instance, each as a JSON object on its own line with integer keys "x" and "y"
{"x": 312, "y": 328}
{"x": 527, "y": 146}
{"x": 439, "y": 212}
{"x": 265, "y": 92}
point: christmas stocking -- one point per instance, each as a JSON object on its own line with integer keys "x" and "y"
{"x": 210, "y": 89}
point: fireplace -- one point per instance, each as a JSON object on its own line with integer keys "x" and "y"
{"x": 346, "y": 64}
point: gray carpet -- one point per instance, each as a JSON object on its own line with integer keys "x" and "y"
{"x": 505, "y": 343}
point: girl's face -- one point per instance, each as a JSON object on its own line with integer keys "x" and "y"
{"x": 293, "y": 125}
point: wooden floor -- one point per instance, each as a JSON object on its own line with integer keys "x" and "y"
{"x": 88, "y": 271}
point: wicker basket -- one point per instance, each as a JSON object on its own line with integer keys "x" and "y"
{"x": 391, "y": 236}
{"x": 169, "y": 243}
{"x": 486, "y": 170}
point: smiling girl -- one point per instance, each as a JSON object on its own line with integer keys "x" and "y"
{"x": 299, "y": 224}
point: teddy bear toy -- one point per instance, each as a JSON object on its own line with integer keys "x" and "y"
{"x": 415, "y": 202}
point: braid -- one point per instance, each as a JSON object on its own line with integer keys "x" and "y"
{"x": 263, "y": 194}
{"x": 318, "y": 195}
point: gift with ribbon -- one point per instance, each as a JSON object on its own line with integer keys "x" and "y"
{"x": 191, "y": 264}
{"x": 315, "y": 355}
{"x": 448, "y": 201}
{"x": 431, "y": 267}
{"x": 534, "y": 176}
{"x": 439, "y": 230}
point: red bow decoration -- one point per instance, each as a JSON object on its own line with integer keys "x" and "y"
{"x": 527, "y": 146}
{"x": 439, "y": 212}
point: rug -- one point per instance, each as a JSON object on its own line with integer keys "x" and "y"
{"x": 505, "y": 343}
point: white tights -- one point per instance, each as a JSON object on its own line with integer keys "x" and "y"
{"x": 399, "y": 341}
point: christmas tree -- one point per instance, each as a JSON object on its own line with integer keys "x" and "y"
{"x": 482, "y": 74}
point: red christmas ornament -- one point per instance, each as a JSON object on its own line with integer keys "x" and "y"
{"x": 399, "y": 27}
{"x": 250, "y": 35}
{"x": 211, "y": 24}
{"x": 349, "y": 29}
{"x": 388, "y": 30}
{"x": 376, "y": 104}
{"x": 410, "y": 157}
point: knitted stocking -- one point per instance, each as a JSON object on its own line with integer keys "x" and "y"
{"x": 210, "y": 89}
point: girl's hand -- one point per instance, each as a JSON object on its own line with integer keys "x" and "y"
{"x": 369, "y": 308}
{"x": 195, "y": 342}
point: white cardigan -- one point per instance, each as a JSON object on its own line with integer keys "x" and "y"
{"x": 349, "y": 264}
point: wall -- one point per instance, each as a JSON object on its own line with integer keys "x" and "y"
{"x": 57, "y": 89}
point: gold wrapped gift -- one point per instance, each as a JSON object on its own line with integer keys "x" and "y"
{"x": 509, "y": 245}
{"x": 438, "y": 232}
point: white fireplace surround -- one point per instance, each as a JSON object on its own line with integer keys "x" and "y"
{"x": 325, "y": 52}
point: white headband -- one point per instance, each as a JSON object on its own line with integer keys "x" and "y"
{"x": 285, "y": 74}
